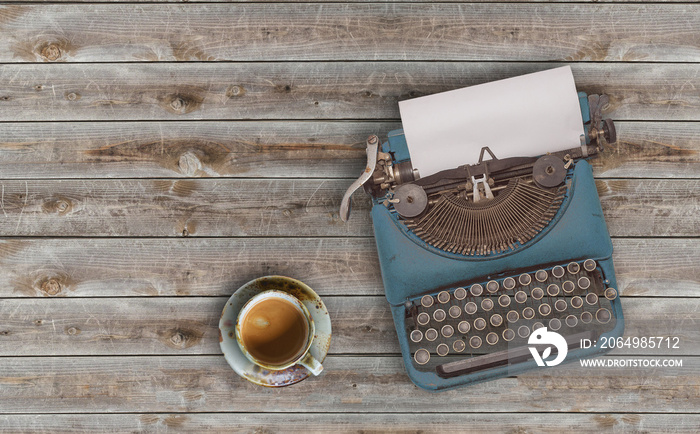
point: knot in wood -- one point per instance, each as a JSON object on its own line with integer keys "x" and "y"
{"x": 51, "y": 287}
{"x": 178, "y": 104}
{"x": 73, "y": 331}
{"x": 51, "y": 52}
{"x": 178, "y": 338}
{"x": 72, "y": 96}
{"x": 234, "y": 91}
{"x": 189, "y": 163}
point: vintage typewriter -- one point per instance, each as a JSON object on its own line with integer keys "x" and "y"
{"x": 475, "y": 259}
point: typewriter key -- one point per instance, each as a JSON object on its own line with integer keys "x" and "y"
{"x": 470, "y": 308}
{"x": 492, "y": 338}
{"x": 520, "y": 297}
{"x": 423, "y": 318}
{"x": 455, "y": 311}
{"x": 509, "y": 283}
{"x": 553, "y": 290}
{"x": 443, "y": 297}
{"x": 554, "y": 324}
{"x": 591, "y": 298}
{"x": 442, "y": 349}
{"x": 571, "y": 321}
{"x": 541, "y": 275}
{"x": 496, "y": 320}
{"x": 459, "y": 346}
{"x": 426, "y": 301}
{"x": 508, "y": 335}
{"x": 479, "y": 324}
{"x": 573, "y": 268}
{"x": 416, "y": 336}
{"x": 584, "y": 282}
{"x": 460, "y": 293}
{"x": 463, "y": 327}
{"x": 475, "y": 342}
{"x": 545, "y": 309}
{"x": 492, "y": 286}
{"x": 560, "y": 305}
{"x": 439, "y": 315}
{"x": 558, "y": 271}
{"x": 476, "y": 290}
{"x": 586, "y": 317}
{"x": 589, "y": 265}
{"x": 568, "y": 286}
{"x": 528, "y": 313}
{"x": 576, "y": 302}
{"x": 523, "y": 331}
{"x": 537, "y": 325}
{"x": 422, "y": 356}
{"x": 504, "y": 301}
{"x": 537, "y": 293}
{"x": 512, "y": 316}
{"x": 524, "y": 279}
{"x": 447, "y": 331}
{"x": 487, "y": 304}
{"x": 611, "y": 293}
{"x": 431, "y": 334}
{"x": 603, "y": 316}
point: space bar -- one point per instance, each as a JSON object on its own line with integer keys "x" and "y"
{"x": 501, "y": 358}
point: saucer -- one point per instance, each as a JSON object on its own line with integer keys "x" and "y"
{"x": 227, "y": 331}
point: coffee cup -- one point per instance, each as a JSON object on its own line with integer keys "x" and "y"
{"x": 274, "y": 330}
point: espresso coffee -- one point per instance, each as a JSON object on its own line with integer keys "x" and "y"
{"x": 274, "y": 331}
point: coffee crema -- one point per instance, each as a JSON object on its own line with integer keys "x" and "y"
{"x": 274, "y": 331}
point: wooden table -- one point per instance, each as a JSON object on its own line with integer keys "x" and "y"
{"x": 156, "y": 156}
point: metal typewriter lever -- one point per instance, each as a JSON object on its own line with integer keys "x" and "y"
{"x": 372, "y": 148}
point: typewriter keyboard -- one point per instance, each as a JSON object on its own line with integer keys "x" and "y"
{"x": 497, "y": 316}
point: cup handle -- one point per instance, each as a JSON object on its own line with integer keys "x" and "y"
{"x": 310, "y": 363}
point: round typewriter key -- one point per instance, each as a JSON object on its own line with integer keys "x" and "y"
{"x": 541, "y": 275}
{"x": 586, "y": 317}
{"x": 589, "y": 265}
{"x": 573, "y": 268}
{"x": 537, "y": 293}
{"x": 560, "y": 305}
{"x": 509, "y": 283}
{"x": 523, "y": 331}
{"x": 447, "y": 331}
{"x": 439, "y": 315}
{"x": 416, "y": 336}
{"x": 460, "y": 293}
{"x": 603, "y": 316}
{"x": 455, "y": 311}
{"x": 568, "y": 286}
{"x": 591, "y": 298}
{"x": 492, "y": 286}
{"x": 431, "y": 334}
{"x": 611, "y": 293}
{"x": 459, "y": 346}
{"x": 553, "y": 290}
{"x": 426, "y": 301}
{"x": 571, "y": 321}
{"x": 487, "y": 304}
{"x": 476, "y": 290}
{"x": 504, "y": 301}
{"x": 520, "y": 297}
{"x": 496, "y": 320}
{"x": 528, "y": 313}
{"x": 442, "y": 350}
{"x": 584, "y": 282}
{"x": 554, "y": 324}
{"x": 508, "y": 335}
{"x": 558, "y": 271}
{"x": 537, "y": 325}
{"x": 479, "y": 324}
{"x": 470, "y": 308}
{"x": 422, "y": 356}
{"x": 475, "y": 342}
{"x": 524, "y": 279}
{"x": 576, "y": 302}
{"x": 545, "y": 309}
{"x": 443, "y": 297}
{"x": 463, "y": 327}
{"x": 423, "y": 318}
{"x": 512, "y": 316}
{"x": 492, "y": 338}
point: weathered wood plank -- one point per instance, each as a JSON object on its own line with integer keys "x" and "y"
{"x": 373, "y": 31}
{"x": 361, "y": 325}
{"x": 311, "y": 90}
{"x": 280, "y": 149}
{"x": 348, "y": 384}
{"x": 652, "y": 267}
{"x": 280, "y": 207}
{"x": 350, "y": 423}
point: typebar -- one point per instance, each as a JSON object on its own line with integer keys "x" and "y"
{"x": 515, "y": 355}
